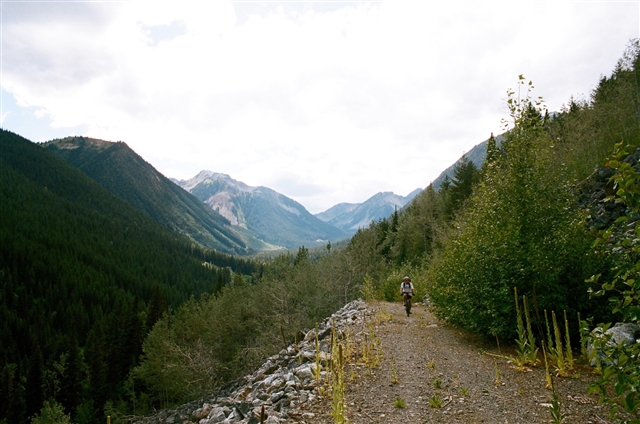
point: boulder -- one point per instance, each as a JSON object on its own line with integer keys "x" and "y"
{"x": 622, "y": 332}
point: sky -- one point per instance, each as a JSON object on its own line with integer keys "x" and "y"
{"x": 324, "y": 102}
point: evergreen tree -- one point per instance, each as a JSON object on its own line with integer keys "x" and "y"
{"x": 465, "y": 176}
{"x": 12, "y": 395}
{"x": 96, "y": 354}
{"x": 71, "y": 377}
{"x": 157, "y": 307}
{"x": 34, "y": 391}
{"x": 301, "y": 256}
{"x": 52, "y": 413}
{"x": 491, "y": 156}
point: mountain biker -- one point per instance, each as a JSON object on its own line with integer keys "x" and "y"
{"x": 406, "y": 290}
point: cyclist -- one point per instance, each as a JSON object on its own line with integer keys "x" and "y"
{"x": 406, "y": 290}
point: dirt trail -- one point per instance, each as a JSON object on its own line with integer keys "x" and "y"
{"x": 436, "y": 362}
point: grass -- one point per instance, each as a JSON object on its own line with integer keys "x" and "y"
{"x": 399, "y": 403}
{"x": 435, "y": 401}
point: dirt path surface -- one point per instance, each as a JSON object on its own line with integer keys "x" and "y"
{"x": 433, "y": 362}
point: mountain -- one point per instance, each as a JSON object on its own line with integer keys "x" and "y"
{"x": 476, "y": 155}
{"x": 268, "y": 215}
{"x": 351, "y": 216}
{"x": 124, "y": 173}
{"x": 336, "y": 211}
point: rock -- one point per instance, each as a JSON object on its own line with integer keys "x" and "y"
{"x": 217, "y": 415}
{"x": 621, "y": 332}
{"x": 284, "y": 381}
{"x": 203, "y": 412}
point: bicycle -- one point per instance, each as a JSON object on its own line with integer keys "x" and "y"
{"x": 407, "y": 303}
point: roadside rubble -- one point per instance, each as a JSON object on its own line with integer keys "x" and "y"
{"x": 283, "y": 382}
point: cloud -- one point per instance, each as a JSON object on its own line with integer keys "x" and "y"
{"x": 325, "y": 102}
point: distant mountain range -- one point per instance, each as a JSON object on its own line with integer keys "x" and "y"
{"x": 265, "y": 213}
{"x": 221, "y": 213}
{"x": 351, "y": 216}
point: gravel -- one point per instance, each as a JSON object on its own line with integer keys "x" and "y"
{"x": 432, "y": 362}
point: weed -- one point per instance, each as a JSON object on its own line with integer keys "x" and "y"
{"x": 353, "y": 376}
{"x": 371, "y": 352}
{"x": 435, "y": 401}
{"x": 584, "y": 333}
{"x": 431, "y": 365}
{"x": 383, "y": 316}
{"x": 464, "y": 391}
{"x": 338, "y": 384}
{"x": 567, "y": 338}
{"x": 348, "y": 345}
{"x": 365, "y": 350}
{"x": 497, "y": 381}
{"x": 557, "y": 416}
{"x": 437, "y": 383}
{"x": 399, "y": 402}
{"x": 317, "y": 371}
{"x": 547, "y": 374}
{"x": 532, "y": 352}
{"x": 561, "y": 369}
{"x": 394, "y": 375}
{"x": 550, "y": 350}
{"x": 526, "y": 342}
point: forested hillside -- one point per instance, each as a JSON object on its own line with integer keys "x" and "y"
{"x": 121, "y": 171}
{"x": 83, "y": 277}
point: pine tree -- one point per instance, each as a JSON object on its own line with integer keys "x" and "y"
{"x": 301, "y": 256}
{"x": 491, "y": 156}
{"x": 465, "y": 176}
{"x": 157, "y": 307}
{"x": 97, "y": 365}
{"x": 34, "y": 392}
{"x": 72, "y": 377}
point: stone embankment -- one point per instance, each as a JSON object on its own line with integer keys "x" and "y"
{"x": 283, "y": 383}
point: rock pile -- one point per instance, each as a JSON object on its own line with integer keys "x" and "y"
{"x": 283, "y": 382}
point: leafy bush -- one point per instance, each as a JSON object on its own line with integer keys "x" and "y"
{"x": 521, "y": 229}
{"x": 620, "y": 365}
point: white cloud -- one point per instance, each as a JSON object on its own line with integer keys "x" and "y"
{"x": 324, "y": 102}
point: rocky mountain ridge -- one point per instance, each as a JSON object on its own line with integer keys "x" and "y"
{"x": 269, "y": 215}
{"x": 352, "y": 216}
